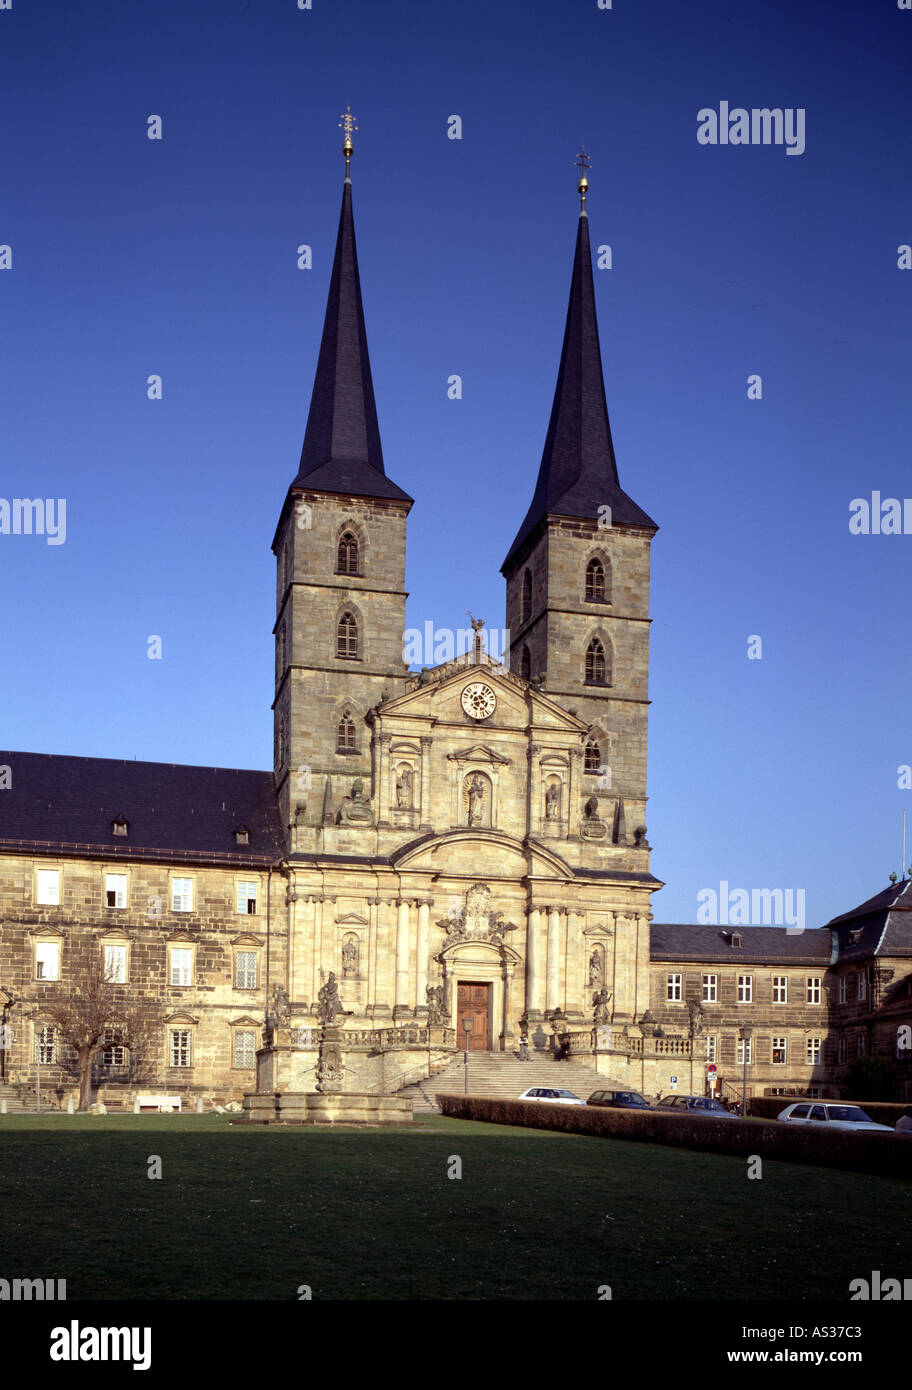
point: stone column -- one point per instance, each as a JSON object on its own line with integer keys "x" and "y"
{"x": 421, "y": 964}
{"x": 383, "y": 791}
{"x": 424, "y": 808}
{"x": 402, "y": 960}
{"x": 552, "y": 996}
{"x": 506, "y": 1032}
{"x": 533, "y": 968}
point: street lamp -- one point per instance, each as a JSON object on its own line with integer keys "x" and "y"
{"x": 744, "y": 1034}
{"x": 467, "y": 1025}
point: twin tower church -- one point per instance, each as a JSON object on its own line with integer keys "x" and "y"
{"x": 467, "y": 841}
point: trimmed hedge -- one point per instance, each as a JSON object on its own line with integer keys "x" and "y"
{"x": 883, "y": 1112}
{"x": 868, "y": 1152}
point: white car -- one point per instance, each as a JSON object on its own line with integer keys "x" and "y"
{"x": 829, "y": 1116}
{"x": 551, "y": 1093}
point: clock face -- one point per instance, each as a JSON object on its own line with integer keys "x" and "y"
{"x": 479, "y": 701}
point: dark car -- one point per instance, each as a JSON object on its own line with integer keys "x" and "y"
{"x": 620, "y": 1100}
{"x": 696, "y": 1105}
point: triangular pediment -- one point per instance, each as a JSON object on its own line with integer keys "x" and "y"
{"x": 478, "y": 753}
{"x": 437, "y": 696}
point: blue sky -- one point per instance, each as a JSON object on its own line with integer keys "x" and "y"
{"x": 178, "y": 257}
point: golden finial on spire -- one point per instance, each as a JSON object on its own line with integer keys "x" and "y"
{"x": 347, "y": 124}
{"x": 582, "y": 162}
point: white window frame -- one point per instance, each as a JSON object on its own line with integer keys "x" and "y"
{"x": 181, "y": 894}
{"x": 673, "y": 988}
{"x": 113, "y": 1049}
{"x": 711, "y": 1047}
{"x": 45, "y": 1050}
{"x": 237, "y": 969}
{"x": 739, "y": 1052}
{"x": 180, "y": 1045}
{"x": 180, "y": 967}
{"x": 47, "y": 887}
{"x": 860, "y": 1046}
{"x": 745, "y": 989}
{"x": 813, "y": 989}
{"x": 779, "y": 1044}
{"x": 843, "y": 989}
{"x": 247, "y": 891}
{"x": 780, "y": 989}
{"x": 237, "y": 1052}
{"x": 50, "y": 950}
{"x": 814, "y": 1051}
{"x": 710, "y": 989}
{"x": 842, "y": 1051}
{"x": 862, "y": 986}
{"x": 116, "y": 884}
{"x": 109, "y": 949}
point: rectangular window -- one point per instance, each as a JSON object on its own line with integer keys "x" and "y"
{"x": 780, "y": 989}
{"x": 813, "y": 1052}
{"x": 49, "y": 887}
{"x": 862, "y": 985}
{"x": 114, "y": 1053}
{"x": 673, "y": 989}
{"x": 179, "y": 1049}
{"x": 860, "y": 1045}
{"x": 780, "y": 1046}
{"x": 247, "y": 897}
{"x": 182, "y": 895}
{"x": 843, "y": 988}
{"x": 181, "y": 971}
{"x": 841, "y": 1050}
{"x": 45, "y": 1044}
{"x": 245, "y": 970}
{"x": 711, "y": 1048}
{"x": 115, "y": 964}
{"x": 47, "y": 960}
{"x": 745, "y": 988}
{"x": 710, "y": 989}
{"x": 115, "y": 890}
{"x": 813, "y": 989}
{"x": 742, "y": 1043}
{"x": 245, "y": 1049}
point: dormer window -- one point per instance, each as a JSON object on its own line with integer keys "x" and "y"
{"x": 736, "y": 938}
{"x": 241, "y": 835}
{"x": 120, "y": 825}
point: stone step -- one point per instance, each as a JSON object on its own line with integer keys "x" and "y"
{"x": 503, "y": 1077}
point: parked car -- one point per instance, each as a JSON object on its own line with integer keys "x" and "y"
{"x": 620, "y": 1100}
{"x": 832, "y": 1116}
{"x": 696, "y": 1105}
{"x": 551, "y": 1093}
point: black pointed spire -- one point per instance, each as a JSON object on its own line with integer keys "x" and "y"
{"x": 342, "y": 451}
{"x": 578, "y": 472}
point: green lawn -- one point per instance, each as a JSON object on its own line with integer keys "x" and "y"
{"x": 254, "y": 1213}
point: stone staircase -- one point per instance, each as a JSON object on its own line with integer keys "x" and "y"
{"x": 22, "y": 1100}
{"x": 502, "y": 1075}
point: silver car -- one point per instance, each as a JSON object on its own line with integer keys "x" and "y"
{"x": 551, "y": 1093}
{"x": 829, "y": 1116}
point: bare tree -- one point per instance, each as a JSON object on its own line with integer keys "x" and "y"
{"x": 92, "y": 1004}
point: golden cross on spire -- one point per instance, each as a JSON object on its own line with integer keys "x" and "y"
{"x": 582, "y": 162}
{"x": 347, "y": 124}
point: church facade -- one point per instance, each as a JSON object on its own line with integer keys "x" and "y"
{"x": 461, "y": 845}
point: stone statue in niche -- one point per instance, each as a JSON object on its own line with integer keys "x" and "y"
{"x": 475, "y": 794}
{"x": 350, "y": 958}
{"x": 553, "y": 801}
{"x": 404, "y": 789}
{"x": 355, "y": 809}
{"x": 595, "y": 967}
{"x": 280, "y": 1006}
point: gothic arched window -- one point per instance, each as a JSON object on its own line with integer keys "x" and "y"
{"x": 525, "y": 664}
{"x": 525, "y": 598}
{"x": 596, "y": 670}
{"x": 347, "y": 637}
{"x": 347, "y": 562}
{"x": 595, "y": 581}
{"x": 346, "y": 733}
{"x": 592, "y": 759}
